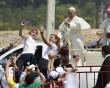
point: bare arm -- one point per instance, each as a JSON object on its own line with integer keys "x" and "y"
{"x": 45, "y": 40}
{"x": 7, "y": 68}
{"x": 42, "y": 77}
{"x": 23, "y": 32}
{"x": 9, "y": 80}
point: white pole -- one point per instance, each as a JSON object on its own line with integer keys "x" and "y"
{"x": 50, "y": 17}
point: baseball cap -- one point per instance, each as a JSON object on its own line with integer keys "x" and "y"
{"x": 54, "y": 74}
{"x": 60, "y": 70}
{"x": 32, "y": 66}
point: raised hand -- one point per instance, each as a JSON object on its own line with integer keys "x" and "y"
{"x": 42, "y": 28}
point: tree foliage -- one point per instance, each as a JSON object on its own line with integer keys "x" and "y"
{"x": 12, "y": 12}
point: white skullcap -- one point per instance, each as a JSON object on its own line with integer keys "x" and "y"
{"x": 72, "y": 9}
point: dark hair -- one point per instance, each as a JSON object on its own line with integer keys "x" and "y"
{"x": 64, "y": 50}
{"x": 19, "y": 64}
{"x": 56, "y": 62}
{"x": 106, "y": 49}
{"x": 69, "y": 66}
{"x": 17, "y": 75}
{"x": 30, "y": 77}
{"x": 51, "y": 79}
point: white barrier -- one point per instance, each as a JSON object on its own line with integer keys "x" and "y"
{"x": 90, "y": 57}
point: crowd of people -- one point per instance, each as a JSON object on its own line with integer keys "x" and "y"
{"x": 24, "y": 71}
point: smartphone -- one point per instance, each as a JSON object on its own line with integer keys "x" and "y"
{"x": 36, "y": 68}
{"x": 27, "y": 22}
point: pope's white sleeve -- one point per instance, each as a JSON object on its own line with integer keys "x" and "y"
{"x": 75, "y": 25}
{"x": 84, "y": 24}
{"x": 102, "y": 25}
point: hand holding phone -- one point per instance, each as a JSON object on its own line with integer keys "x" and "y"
{"x": 22, "y": 23}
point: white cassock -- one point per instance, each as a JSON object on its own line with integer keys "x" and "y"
{"x": 73, "y": 32}
{"x": 105, "y": 26}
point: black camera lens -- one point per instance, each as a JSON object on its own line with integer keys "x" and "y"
{"x": 74, "y": 56}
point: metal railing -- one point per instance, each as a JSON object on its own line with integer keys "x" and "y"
{"x": 89, "y": 56}
{"x": 87, "y": 76}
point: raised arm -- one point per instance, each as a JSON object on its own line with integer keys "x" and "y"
{"x": 44, "y": 39}
{"x": 23, "y": 32}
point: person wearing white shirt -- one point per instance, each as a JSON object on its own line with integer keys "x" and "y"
{"x": 53, "y": 46}
{"x": 29, "y": 49}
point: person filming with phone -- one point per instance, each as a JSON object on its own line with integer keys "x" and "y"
{"x": 29, "y": 49}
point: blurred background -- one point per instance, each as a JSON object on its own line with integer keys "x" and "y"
{"x": 34, "y": 12}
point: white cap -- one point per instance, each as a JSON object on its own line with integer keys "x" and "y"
{"x": 60, "y": 70}
{"x": 32, "y": 66}
{"x": 72, "y": 9}
{"x": 54, "y": 74}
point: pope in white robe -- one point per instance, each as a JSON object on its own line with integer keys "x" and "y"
{"x": 70, "y": 29}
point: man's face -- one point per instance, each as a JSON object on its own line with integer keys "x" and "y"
{"x": 71, "y": 14}
{"x": 108, "y": 11}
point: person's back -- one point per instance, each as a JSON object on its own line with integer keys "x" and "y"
{"x": 30, "y": 81}
{"x": 104, "y": 73}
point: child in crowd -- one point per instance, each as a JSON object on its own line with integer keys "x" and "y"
{"x": 51, "y": 52}
{"x": 29, "y": 49}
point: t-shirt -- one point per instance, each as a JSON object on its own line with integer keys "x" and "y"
{"x": 50, "y": 50}
{"x": 33, "y": 85}
{"x": 29, "y": 45}
{"x": 10, "y": 82}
